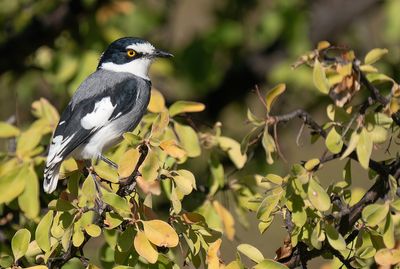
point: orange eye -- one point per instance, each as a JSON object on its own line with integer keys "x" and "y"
{"x": 131, "y": 53}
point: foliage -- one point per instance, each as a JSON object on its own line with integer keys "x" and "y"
{"x": 149, "y": 211}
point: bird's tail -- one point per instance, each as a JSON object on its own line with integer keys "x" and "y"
{"x": 51, "y": 175}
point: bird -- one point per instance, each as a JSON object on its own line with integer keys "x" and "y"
{"x": 108, "y": 103}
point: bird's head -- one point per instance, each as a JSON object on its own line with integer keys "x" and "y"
{"x": 132, "y": 55}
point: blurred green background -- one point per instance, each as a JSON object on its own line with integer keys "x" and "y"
{"x": 222, "y": 49}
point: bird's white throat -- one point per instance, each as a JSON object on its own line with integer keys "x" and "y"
{"x": 138, "y": 67}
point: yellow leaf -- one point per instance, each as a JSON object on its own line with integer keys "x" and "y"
{"x": 28, "y": 201}
{"x": 14, "y": 183}
{"x": 185, "y": 181}
{"x": 160, "y": 233}
{"x": 7, "y": 130}
{"x": 171, "y": 148}
{"x": 127, "y": 162}
{"x": 319, "y": 78}
{"x": 227, "y": 220}
{"x": 37, "y": 267}
{"x": 185, "y": 106}
{"x": 352, "y": 145}
{"x": 374, "y": 55}
{"x": 232, "y": 147}
{"x": 144, "y": 248}
{"x": 160, "y": 123}
{"x": 28, "y": 141}
{"x": 323, "y": 45}
{"x": 93, "y": 230}
{"x": 43, "y": 109}
{"x": 273, "y": 94}
{"x": 334, "y": 141}
{"x": 105, "y": 171}
{"x": 364, "y": 148}
{"x": 157, "y": 102}
{"x": 311, "y": 164}
{"x": 212, "y": 254}
{"x": 188, "y": 139}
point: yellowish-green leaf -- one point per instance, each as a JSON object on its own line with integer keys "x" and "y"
{"x": 318, "y": 196}
{"x": 171, "y": 148}
{"x": 352, "y": 145}
{"x": 185, "y": 181}
{"x": 44, "y": 110}
{"x": 157, "y": 102}
{"x": 387, "y": 257}
{"x": 160, "y": 123}
{"x": 42, "y": 234}
{"x": 112, "y": 220}
{"x": 388, "y": 232}
{"x": 335, "y": 239}
{"x": 227, "y": 220}
{"x": 270, "y": 264}
{"x": 319, "y": 78}
{"x": 268, "y": 143}
{"x": 93, "y": 230}
{"x": 364, "y": 148}
{"x": 323, "y": 45}
{"x": 273, "y": 94}
{"x": 374, "y": 214}
{"x": 118, "y": 203}
{"x": 77, "y": 237}
{"x": 144, "y": 248}
{"x": 127, "y": 162}
{"x": 188, "y": 139}
{"x": 176, "y": 202}
{"x": 160, "y": 233}
{"x": 14, "y": 182}
{"x": 268, "y": 205}
{"x": 374, "y": 55}
{"x": 28, "y": 141}
{"x": 334, "y": 141}
{"x": 184, "y": 107}
{"x": 28, "y": 201}
{"x": 311, "y": 164}
{"x": 89, "y": 190}
{"x": 20, "y": 243}
{"x": 232, "y": 147}
{"x": 7, "y": 130}
{"x": 104, "y": 170}
{"x": 251, "y": 252}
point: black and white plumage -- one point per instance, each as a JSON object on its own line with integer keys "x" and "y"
{"x": 110, "y": 102}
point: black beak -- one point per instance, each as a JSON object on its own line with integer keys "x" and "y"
{"x": 161, "y": 54}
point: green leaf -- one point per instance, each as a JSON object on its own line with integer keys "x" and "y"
{"x": 42, "y": 234}
{"x": 311, "y": 164}
{"x": 28, "y": 201}
{"x": 184, "y": 107}
{"x": 334, "y": 141}
{"x": 160, "y": 124}
{"x": 335, "y": 239}
{"x": 251, "y": 252}
{"x": 112, "y": 220}
{"x": 89, "y": 191}
{"x": 375, "y": 213}
{"x": 20, "y": 243}
{"x": 374, "y": 55}
{"x": 188, "y": 139}
{"x": 6, "y": 261}
{"x": 232, "y": 147}
{"x": 273, "y": 94}
{"x": 185, "y": 181}
{"x": 319, "y": 78}
{"x": 118, "y": 203}
{"x": 268, "y": 205}
{"x": 270, "y": 264}
{"x": 364, "y": 148}
{"x": 318, "y": 196}
{"x": 388, "y": 232}
{"x": 7, "y": 130}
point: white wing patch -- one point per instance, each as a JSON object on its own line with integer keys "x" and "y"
{"x": 57, "y": 148}
{"x": 142, "y": 47}
{"x": 100, "y": 115}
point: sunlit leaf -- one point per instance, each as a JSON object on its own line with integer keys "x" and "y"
{"x": 273, "y": 94}
{"x": 311, "y": 164}
{"x": 93, "y": 230}
{"x": 387, "y": 257}
{"x": 268, "y": 205}
{"x": 157, "y": 102}
{"x": 364, "y": 148}
{"x": 388, "y": 232}
{"x": 319, "y": 78}
{"x": 127, "y": 162}
{"x": 118, "y": 203}
{"x": 318, "y": 196}
{"x": 352, "y": 145}
{"x": 335, "y": 239}
{"x": 20, "y": 243}
{"x": 171, "y": 148}
{"x": 7, "y": 130}
{"x": 28, "y": 201}
{"x": 160, "y": 233}
{"x": 270, "y": 264}
{"x": 227, "y": 219}
{"x": 160, "y": 123}
{"x": 232, "y": 147}
{"x": 144, "y": 248}
{"x": 13, "y": 184}
{"x": 334, "y": 141}
{"x": 42, "y": 234}
{"x": 269, "y": 145}
{"x": 375, "y": 213}
{"x": 185, "y": 181}
{"x": 185, "y": 106}
{"x": 188, "y": 139}
{"x": 212, "y": 254}
{"x": 251, "y": 252}
{"x": 374, "y": 55}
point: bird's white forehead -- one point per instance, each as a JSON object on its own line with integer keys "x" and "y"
{"x": 142, "y": 47}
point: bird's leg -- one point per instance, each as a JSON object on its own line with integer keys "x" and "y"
{"x": 108, "y": 161}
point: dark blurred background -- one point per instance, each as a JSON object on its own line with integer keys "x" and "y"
{"x": 222, "y": 49}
